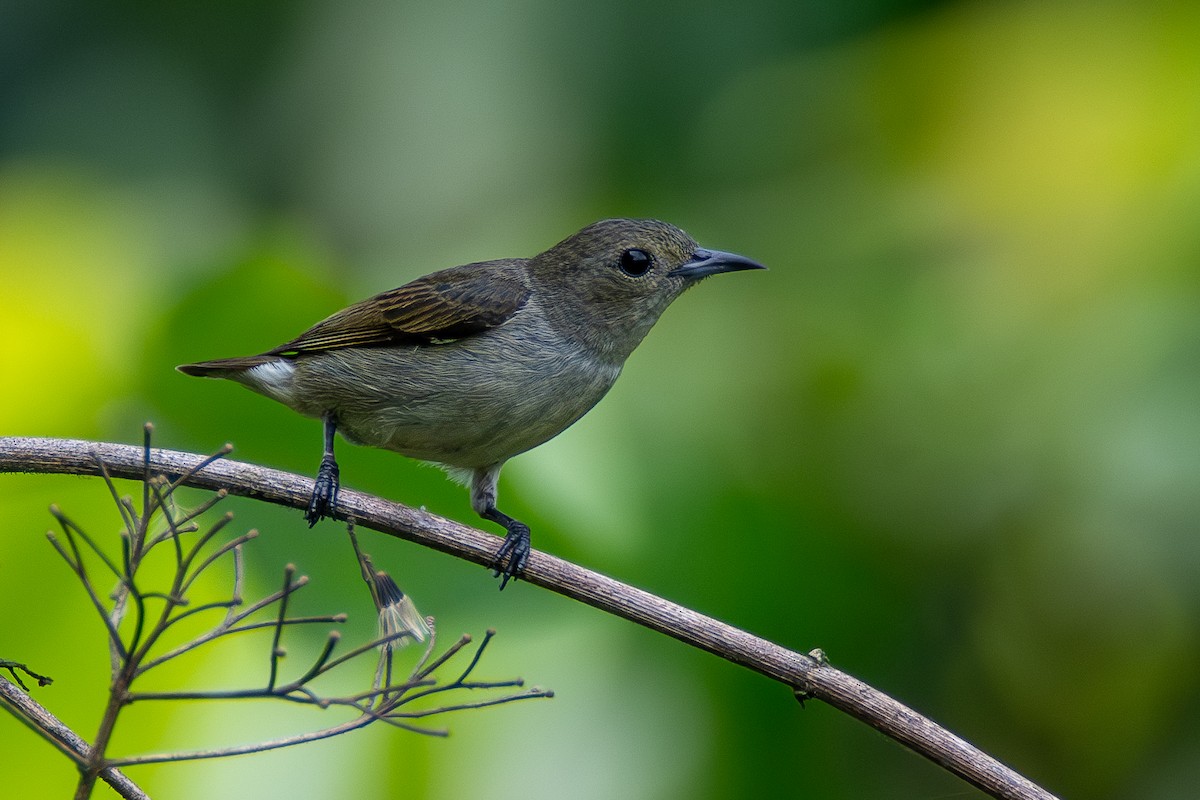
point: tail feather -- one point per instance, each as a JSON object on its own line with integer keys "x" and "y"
{"x": 224, "y": 367}
{"x": 265, "y": 374}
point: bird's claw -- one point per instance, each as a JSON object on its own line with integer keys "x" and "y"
{"x": 325, "y": 492}
{"x": 513, "y": 554}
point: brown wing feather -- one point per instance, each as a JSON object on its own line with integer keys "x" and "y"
{"x": 444, "y": 305}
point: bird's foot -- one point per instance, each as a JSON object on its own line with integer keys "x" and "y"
{"x": 513, "y": 554}
{"x": 325, "y": 492}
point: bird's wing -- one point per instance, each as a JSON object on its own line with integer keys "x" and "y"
{"x": 439, "y": 307}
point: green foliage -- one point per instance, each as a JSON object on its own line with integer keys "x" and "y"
{"x": 951, "y": 437}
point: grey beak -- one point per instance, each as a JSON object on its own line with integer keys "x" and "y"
{"x": 711, "y": 262}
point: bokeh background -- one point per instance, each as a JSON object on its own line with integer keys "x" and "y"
{"x": 952, "y": 437}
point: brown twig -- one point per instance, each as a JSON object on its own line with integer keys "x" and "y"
{"x": 15, "y": 668}
{"x": 808, "y": 676}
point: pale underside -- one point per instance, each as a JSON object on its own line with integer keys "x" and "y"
{"x": 470, "y": 403}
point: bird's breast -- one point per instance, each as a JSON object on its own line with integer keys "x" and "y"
{"x": 470, "y": 403}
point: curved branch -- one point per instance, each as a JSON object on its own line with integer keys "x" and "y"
{"x": 51, "y": 728}
{"x": 808, "y": 675}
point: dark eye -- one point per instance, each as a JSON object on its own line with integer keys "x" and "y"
{"x": 636, "y": 262}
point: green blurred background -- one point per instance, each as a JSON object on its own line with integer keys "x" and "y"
{"x": 952, "y": 437}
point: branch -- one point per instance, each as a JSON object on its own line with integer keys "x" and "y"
{"x": 50, "y": 727}
{"x": 810, "y": 676}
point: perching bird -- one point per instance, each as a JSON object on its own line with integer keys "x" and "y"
{"x": 469, "y": 366}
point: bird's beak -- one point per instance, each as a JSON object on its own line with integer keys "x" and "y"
{"x": 711, "y": 262}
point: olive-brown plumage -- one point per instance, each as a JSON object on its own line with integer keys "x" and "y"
{"x": 472, "y": 365}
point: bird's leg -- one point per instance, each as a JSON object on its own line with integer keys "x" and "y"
{"x": 513, "y": 554}
{"x": 325, "y": 490}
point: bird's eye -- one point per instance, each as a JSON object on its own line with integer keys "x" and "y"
{"x": 636, "y": 263}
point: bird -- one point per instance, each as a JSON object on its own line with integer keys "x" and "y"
{"x": 472, "y": 365}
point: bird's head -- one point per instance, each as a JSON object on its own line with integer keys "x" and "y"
{"x": 609, "y": 283}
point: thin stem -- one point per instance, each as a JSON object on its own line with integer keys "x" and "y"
{"x": 186, "y": 479}
{"x": 487, "y": 637}
{"x": 271, "y": 599}
{"x": 147, "y": 430}
{"x": 259, "y": 747}
{"x": 366, "y": 648}
{"x": 226, "y": 630}
{"x": 139, "y": 622}
{"x": 76, "y": 565}
{"x": 451, "y": 651}
{"x": 96, "y": 762}
{"x": 276, "y": 652}
{"x": 316, "y": 668}
{"x": 232, "y": 544}
{"x": 70, "y": 528}
{"x": 491, "y": 701}
{"x": 173, "y": 530}
{"x": 15, "y": 668}
{"x": 130, "y": 523}
{"x": 194, "y": 513}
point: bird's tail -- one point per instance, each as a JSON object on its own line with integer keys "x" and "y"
{"x": 225, "y": 367}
